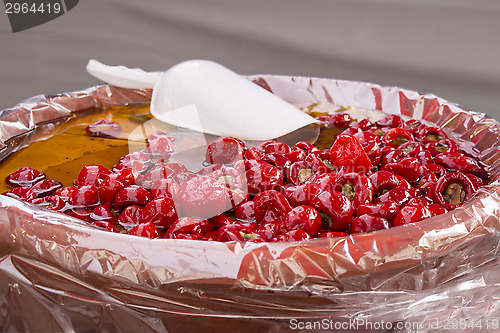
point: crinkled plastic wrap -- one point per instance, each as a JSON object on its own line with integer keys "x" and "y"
{"x": 60, "y": 274}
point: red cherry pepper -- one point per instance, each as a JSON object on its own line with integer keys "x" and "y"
{"x": 84, "y": 196}
{"x": 83, "y": 214}
{"x": 436, "y": 169}
{"x": 65, "y": 192}
{"x": 383, "y": 181}
{"x": 391, "y": 155}
{"x": 148, "y": 230}
{"x": 158, "y": 134}
{"x": 336, "y": 120}
{"x": 348, "y": 154}
{"x": 305, "y": 146}
{"x": 109, "y": 188}
{"x": 304, "y": 218}
{"x": 295, "y": 155}
{"x": 319, "y": 161}
{"x": 106, "y": 225}
{"x": 367, "y": 137}
{"x": 205, "y": 171}
{"x": 224, "y": 150}
{"x": 164, "y": 188}
{"x": 299, "y": 173}
{"x": 103, "y": 128}
{"x": 270, "y": 206}
{"x": 409, "y": 168}
{"x": 418, "y": 200}
{"x": 231, "y": 178}
{"x": 276, "y": 159}
{"x": 351, "y": 131}
{"x": 253, "y": 153}
{"x": 130, "y": 216}
{"x": 412, "y": 125}
{"x": 301, "y": 194}
{"x": 263, "y": 177}
{"x": 182, "y": 177}
{"x": 202, "y": 197}
{"x": 412, "y": 213}
{"x": 442, "y": 146}
{"x": 189, "y": 225}
{"x": 211, "y": 235}
{"x": 369, "y": 223}
{"x": 161, "y": 171}
{"x": 404, "y": 183}
{"x": 396, "y": 137}
{"x": 269, "y": 230}
{"x": 240, "y": 232}
{"x": 424, "y": 157}
{"x": 437, "y": 209}
{"x": 46, "y": 187}
{"x": 452, "y": 190}
{"x": 24, "y": 176}
{"x": 411, "y": 148}
{"x": 475, "y": 180}
{"x": 292, "y": 236}
{"x": 51, "y": 202}
{"x": 160, "y": 148}
{"x": 387, "y": 210}
{"x": 426, "y": 182}
{"x": 132, "y": 195}
{"x": 128, "y": 176}
{"x": 374, "y": 152}
{"x": 457, "y": 161}
{"x": 335, "y": 209}
{"x": 104, "y": 212}
{"x": 221, "y": 220}
{"x": 399, "y": 195}
{"x": 161, "y": 212}
{"x": 426, "y": 134}
{"x": 245, "y": 211}
{"x": 275, "y": 147}
{"x": 139, "y": 161}
{"x": 23, "y": 193}
{"x": 91, "y": 175}
{"x": 357, "y": 187}
{"x": 390, "y": 120}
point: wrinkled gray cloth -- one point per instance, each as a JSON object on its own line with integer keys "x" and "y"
{"x": 449, "y": 48}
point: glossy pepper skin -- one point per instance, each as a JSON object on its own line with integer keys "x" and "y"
{"x": 387, "y": 210}
{"x": 270, "y": 206}
{"x": 408, "y": 167}
{"x": 225, "y": 150}
{"x": 369, "y": 223}
{"x": 240, "y": 232}
{"x": 24, "y": 176}
{"x": 396, "y": 137}
{"x": 456, "y": 161}
{"x": 304, "y": 218}
{"x": 347, "y": 154}
{"x": 452, "y": 190}
{"x": 411, "y": 213}
{"x": 357, "y": 187}
{"x": 335, "y": 209}
{"x": 202, "y": 197}
{"x": 189, "y": 225}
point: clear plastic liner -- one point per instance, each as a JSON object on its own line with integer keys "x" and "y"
{"x": 60, "y": 274}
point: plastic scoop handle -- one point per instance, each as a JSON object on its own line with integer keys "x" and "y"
{"x": 206, "y": 97}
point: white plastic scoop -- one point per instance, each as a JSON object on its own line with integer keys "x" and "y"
{"x": 206, "y": 97}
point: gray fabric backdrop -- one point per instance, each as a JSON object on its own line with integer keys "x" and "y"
{"x": 448, "y": 47}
